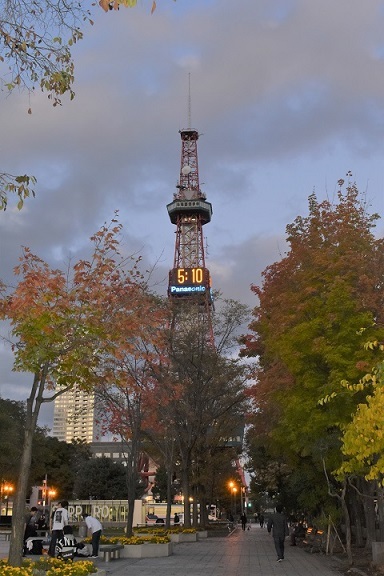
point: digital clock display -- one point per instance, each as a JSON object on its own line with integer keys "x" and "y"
{"x": 187, "y": 281}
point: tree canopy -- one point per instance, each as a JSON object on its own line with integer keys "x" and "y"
{"x": 317, "y": 307}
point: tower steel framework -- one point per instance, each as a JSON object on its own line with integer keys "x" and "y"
{"x": 189, "y": 278}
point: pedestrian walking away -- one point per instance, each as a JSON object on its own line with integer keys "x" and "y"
{"x": 95, "y": 527}
{"x": 59, "y": 520}
{"x": 243, "y": 519}
{"x": 261, "y": 520}
{"x": 278, "y": 524}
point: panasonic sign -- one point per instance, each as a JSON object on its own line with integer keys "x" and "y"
{"x": 187, "y": 289}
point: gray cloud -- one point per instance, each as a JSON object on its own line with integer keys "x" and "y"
{"x": 288, "y": 96}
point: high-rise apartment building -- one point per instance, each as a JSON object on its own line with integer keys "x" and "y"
{"x": 74, "y": 416}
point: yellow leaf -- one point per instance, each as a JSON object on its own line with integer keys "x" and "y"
{"x": 153, "y": 7}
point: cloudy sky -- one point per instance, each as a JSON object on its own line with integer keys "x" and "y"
{"x": 288, "y": 95}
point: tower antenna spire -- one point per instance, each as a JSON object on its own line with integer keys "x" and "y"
{"x": 189, "y": 100}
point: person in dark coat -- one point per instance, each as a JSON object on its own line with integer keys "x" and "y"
{"x": 30, "y": 526}
{"x": 279, "y": 526}
{"x": 243, "y": 519}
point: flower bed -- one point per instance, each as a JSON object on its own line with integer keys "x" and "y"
{"x": 183, "y": 537}
{"x": 176, "y": 534}
{"x": 133, "y": 540}
{"x": 146, "y": 546}
{"x": 48, "y": 567}
{"x": 164, "y": 531}
{"x": 147, "y": 550}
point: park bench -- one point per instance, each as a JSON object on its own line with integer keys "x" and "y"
{"x": 314, "y": 540}
{"x": 110, "y": 551}
{"x": 5, "y": 535}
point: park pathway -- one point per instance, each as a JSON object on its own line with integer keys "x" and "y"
{"x": 249, "y": 553}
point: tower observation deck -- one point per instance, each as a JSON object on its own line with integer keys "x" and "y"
{"x": 189, "y": 211}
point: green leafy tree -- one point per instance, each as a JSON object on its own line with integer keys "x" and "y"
{"x": 160, "y": 490}
{"x": 363, "y": 436}
{"x": 12, "y": 419}
{"x": 57, "y": 461}
{"x": 101, "y": 479}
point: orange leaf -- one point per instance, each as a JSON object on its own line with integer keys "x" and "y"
{"x": 104, "y": 4}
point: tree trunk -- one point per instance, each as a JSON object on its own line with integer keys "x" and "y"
{"x": 132, "y": 481}
{"x": 186, "y": 494}
{"x": 357, "y": 514}
{"x": 347, "y": 520}
{"x": 203, "y": 510}
{"x": 195, "y": 511}
{"x": 380, "y": 507}
{"x": 368, "y": 488}
{"x": 169, "y": 469}
{"x": 18, "y": 513}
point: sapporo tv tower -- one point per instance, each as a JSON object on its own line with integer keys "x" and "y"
{"x": 189, "y": 279}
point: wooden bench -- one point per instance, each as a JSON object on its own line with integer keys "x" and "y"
{"x": 111, "y": 551}
{"x": 314, "y": 540}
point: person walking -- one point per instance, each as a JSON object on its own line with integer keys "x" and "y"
{"x": 59, "y": 520}
{"x": 261, "y": 520}
{"x": 243, "y": 519}
{"x": 279, "y": 526}
{"x": 95, "y": 527}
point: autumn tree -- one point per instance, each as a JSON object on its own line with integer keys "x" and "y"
{"x": 35, "y": 45}
{"x": 125, "y": 382}
{"x": 60, "y": 332}
{"x": 306, "y": 328}
{"x": 201, "y": 392}
{"x": 36, "y": 40}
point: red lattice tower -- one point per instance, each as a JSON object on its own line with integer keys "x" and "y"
{"x": 190, "y": 279}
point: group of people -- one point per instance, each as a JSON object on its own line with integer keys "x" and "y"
{"x": 61, "y": 531}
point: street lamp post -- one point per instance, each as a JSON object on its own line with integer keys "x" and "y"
{"x": 51, "y": 495}
{"x": 234, "y": 493}
{"x": 47, "y": 493}
{"x": 231, "y": 485}
{"x": 6, "y": 491}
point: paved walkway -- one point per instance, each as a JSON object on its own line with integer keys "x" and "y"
{"x": 249, "y": 553}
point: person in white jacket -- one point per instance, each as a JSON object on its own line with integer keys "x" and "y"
{"x": 59, "y": 520}
{"x": 95, "y": 527}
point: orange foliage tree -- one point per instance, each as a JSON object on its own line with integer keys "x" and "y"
{"x": 125, "y": 384}
{"x": 62, "y": 327}
{"x": 306, "y": 333}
